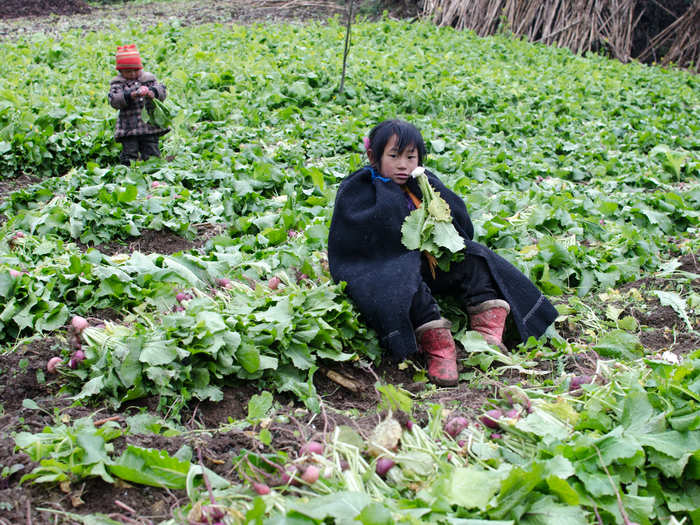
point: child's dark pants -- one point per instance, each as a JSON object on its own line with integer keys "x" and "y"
{"x": 146, "y": 145}
{"x": 469, "y": 280}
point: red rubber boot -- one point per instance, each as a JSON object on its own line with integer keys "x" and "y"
{"x": 435, "y": 340}
{"x": 489, "y": 318}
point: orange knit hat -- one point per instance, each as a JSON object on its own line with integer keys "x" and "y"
{"x": 128, "y": 57}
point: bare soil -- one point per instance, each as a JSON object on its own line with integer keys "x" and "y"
{"x": 20, "y": 18}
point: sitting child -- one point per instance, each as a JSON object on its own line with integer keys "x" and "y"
{"x": 394, "y": 287}
{"x": 130, "y": 92}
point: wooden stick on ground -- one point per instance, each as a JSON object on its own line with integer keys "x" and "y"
{"x": 342, "y": 380}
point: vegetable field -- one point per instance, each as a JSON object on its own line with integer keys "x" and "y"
{"x": 206, "y": 369}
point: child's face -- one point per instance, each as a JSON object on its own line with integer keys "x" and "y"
{"x": 398, "y": 165}
{"x": 130, "y": 74}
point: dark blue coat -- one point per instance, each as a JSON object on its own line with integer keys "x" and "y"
{"x": 382, "y": 275}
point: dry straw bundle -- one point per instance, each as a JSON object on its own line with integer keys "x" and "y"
{"x": 580, "y": 25}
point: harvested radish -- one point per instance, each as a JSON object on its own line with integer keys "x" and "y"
{"x": 513, "y": 413}
{"x": 14, "y": 273}
{"x": 53, "y": 364}
{"x": 77, "y": 358}
{"x": 312, "y": 447}
{"x": 490, "y": 419}
{"x": 74, "y": 342}
{"x": 409, "y": 425}
{"x": 289, "y": 476}
{"x": 182, "y": 296}
{"x": 577, "y": 381}
{"x": 273, "y": 283}
{"x": 78, "y": 323}
{"x": 310, "y": 474}
{"x": 516, "y": 395}
{"x": 261, "y": 488}
{"x": 455, "y": 425}
{"x": 223, "y": 282}
{"x": 383, "y": 466}
{"x": 386, "y": 436}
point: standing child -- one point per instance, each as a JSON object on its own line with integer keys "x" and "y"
{"x": 130, "y": 92}
{"x": 394, "y": 287}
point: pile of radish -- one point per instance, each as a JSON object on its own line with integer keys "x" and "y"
{"x": 77, "y": 325}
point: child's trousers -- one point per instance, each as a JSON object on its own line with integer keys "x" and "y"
{"x": 469, "y": 280}
{"x": 146, "y": 145}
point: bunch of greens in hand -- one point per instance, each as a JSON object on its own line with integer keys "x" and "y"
{"x": 429, "y": 228}
{"x": 157, "y": 113}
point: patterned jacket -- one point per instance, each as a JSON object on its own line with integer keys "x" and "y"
{"x": 129, "y": 121}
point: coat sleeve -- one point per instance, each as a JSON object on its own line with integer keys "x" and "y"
{"x": 117, "y": 94}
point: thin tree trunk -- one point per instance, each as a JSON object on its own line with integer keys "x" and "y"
{"x": 346, "y": 51}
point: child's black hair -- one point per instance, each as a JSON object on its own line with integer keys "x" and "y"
{"x": 406, "y": 133}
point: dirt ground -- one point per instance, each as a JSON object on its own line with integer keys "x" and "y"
{"x": 22, "y": 371}
{"x": 19, "y": 18}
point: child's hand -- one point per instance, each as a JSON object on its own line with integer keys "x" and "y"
{"x": 143, "y": 91}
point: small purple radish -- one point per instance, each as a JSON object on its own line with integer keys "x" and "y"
{"x": 491, "y": 417}
{"x": 383, "y": 466}
{"x": 455, "y": 425}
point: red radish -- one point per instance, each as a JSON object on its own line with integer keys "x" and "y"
{"x": 273, "y": 283}
{"x": 261, "y": 488}
{"x": 311, "y": 474}
{"x": 312, "y": 447}
{"x": 515, "y": 395}
{"x": 409, "y": 425}
{"x": 289, "y": 475}
{"x": 490, "y": 419}
{"x": 383, "y": 466}
{"x": 18, "y": 235}
{"x": 179, "y": 308}
{"x": 344, "y": 465}
{"x": 78, "y": 323}
{"x": 455, "y": 425}
{"x": 223, "y": 282}
{"x": 496, "y": 436}
{"x": 292, "y": 234}
{"x": 156, "y": 184}
{"x": 513, "y": 413}
{"x": 182, "y": 296}
{"x": 577, "y": 381}
{"x": 302, "y": 277}
{"x": 461, "y": 443}
{"x": 77, "y": 358}
{"x": 53, "y": 364}
{"x": 14, "y": 273}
